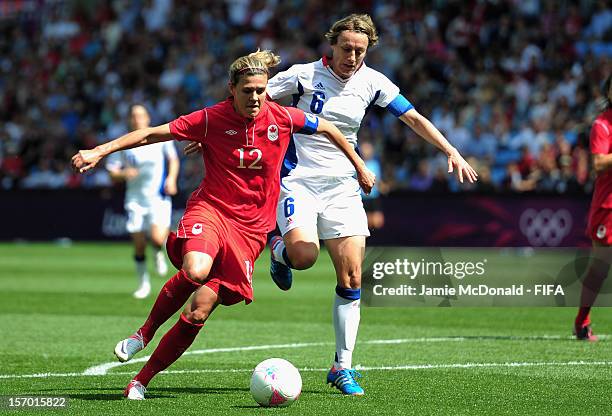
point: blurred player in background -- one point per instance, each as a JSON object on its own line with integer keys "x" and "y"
{"x": 600, "y": 216}
{"x": 372, "y": 203}
{"x": 150, "y": 175}
{"x": 227, "y": 219}
{"x": 320, "y": 198}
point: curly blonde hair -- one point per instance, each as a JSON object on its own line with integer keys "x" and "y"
{"x": 258, "y": 62}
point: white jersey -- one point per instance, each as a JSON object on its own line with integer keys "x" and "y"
{"x": 150, "y": 161}
{"x": 316, "y": 89}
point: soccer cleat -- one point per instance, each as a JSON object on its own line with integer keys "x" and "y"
{"x": 160, "y": 263}
{"x": 143, "y": 291}
{"x": 126, "y": 349}
{"x": 135, "y": 390}
{"x": 281, "y": 274}
{"x": 344, "y": 380}
{"x": 584, "y": 333}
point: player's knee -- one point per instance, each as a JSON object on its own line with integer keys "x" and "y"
{"x": 197, "y": 316}
{"x": 350, "y": 280}
{"x": 304, "y": 261}
{"x": 303, "y": 255}
{"x": 157, "y": 243}
{"x": 196, "y": 273}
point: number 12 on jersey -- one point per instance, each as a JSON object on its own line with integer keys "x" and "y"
{"x": 255, "y": 156}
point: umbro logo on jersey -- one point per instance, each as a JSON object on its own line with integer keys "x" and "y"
{"x": 320, "y": 86}
{"x": 230, "y": 132}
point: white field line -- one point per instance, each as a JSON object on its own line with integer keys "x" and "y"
{"x": 360, "y": 368}
{"x": 105, "y": 367}
{"x": 102, "y": 369}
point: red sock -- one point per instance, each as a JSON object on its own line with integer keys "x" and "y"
{"x": 171, "y": 298}
{"x": 583, "y": 318}
{"x": 593, "y": 280}
{"x": 170, "y": 348}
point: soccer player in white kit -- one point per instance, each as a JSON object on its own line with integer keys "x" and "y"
{"x": 150, "y": 173}
{"x": 320, "y": 197}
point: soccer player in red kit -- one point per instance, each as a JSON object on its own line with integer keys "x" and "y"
{"x": 600, "y": 216}
{"x": 225, "y": 225}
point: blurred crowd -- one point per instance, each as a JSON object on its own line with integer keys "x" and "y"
{"x": 513, "y": 84}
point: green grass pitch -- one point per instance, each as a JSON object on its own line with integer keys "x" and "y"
{"x": 63, "y": 309}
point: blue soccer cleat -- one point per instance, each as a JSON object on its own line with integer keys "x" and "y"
{"x": 344, "y": 380}
{"x": 281, "y": 274}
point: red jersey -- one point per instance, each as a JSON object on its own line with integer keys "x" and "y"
{"x": 243, "y": 158}
{"x": 601, "y": 143}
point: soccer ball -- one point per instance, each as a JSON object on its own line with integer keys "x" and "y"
{"x": 276, "y": 383}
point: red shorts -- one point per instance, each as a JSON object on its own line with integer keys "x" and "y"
{"x": 600, "y": 225}
{"x": 233, "y": 250}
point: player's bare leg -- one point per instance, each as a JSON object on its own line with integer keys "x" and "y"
{"x": 347, "y": 254}
{"x": 139, "y": 240}
{"x": 297, "y": 249}
{"x": 158, "y": 239}
{"x": 302, "y": 245}
{"x": 176, "y": 341}
{"x": 171, "y": 298}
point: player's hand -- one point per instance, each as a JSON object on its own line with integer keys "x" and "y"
{"x": 130, "y": 173}
{"x": 457, "y": 164}
{"x": 366, "y": 179}
{"x": 192, "y": 148}
{"x": 170, "y": 187}
{"x": 85, "y": 160}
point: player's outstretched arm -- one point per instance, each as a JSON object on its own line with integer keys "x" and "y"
{"x": 424, "y": 128}
{"x": 365, "y": 177}
{"x": 87, "y": 159}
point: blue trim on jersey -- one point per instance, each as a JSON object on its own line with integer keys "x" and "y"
{"x": 291, "y": 160}
{"x": 284, "y": 187}
{"x": 369, "y": 107}
{"x": 350, "y": 294}
{"x": 311, "y": 123}
{"x": 399, "y": 105}
{"x": 296, "y": 97}
{"x": 162, "y": 192}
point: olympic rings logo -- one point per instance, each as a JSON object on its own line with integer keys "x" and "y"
{"x": 545, "y": 227}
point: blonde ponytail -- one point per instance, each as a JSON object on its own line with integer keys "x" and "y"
{"x": 252, "y": 64}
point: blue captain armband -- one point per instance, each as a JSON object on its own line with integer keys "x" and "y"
{"x": 399, "y": 105}
{"x": 311, "y": 124}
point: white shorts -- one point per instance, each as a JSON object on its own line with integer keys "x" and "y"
{"x": 141, "y": 217}
{"x": 330, "y": 206}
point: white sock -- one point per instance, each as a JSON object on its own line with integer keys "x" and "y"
{"x": 141, "y": 272}
{"x": 346, "y": 315}
{"x": 157, "y": 252}
{"x": 278, "y": 246}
